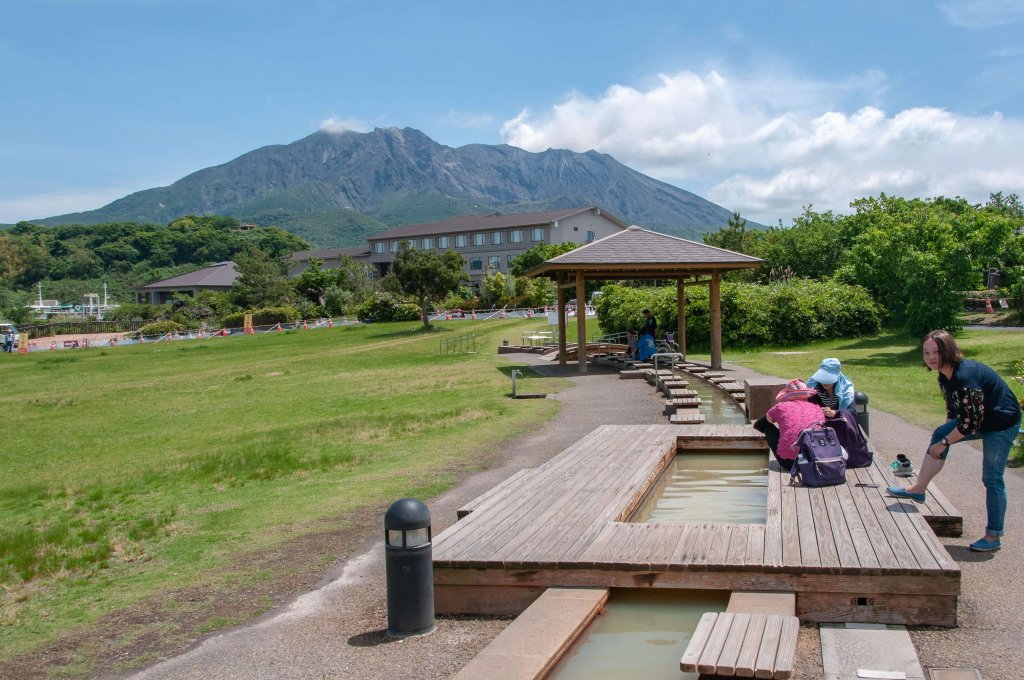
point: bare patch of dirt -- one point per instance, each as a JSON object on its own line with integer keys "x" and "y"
{"x": 167, "y": 623}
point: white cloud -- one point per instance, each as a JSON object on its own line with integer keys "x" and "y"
{"x": 336, "y": 126}
{"x": 768, "y": 145}
{"x": 38, "y": 206}
{"x": 982, "y": 13}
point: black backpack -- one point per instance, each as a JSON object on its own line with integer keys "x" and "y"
{"x": 852, "y": 439}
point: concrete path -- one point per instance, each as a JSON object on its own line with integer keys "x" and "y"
{"x": 336, "y": 631}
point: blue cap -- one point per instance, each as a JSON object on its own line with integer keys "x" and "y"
{"x": 827, "y": 373}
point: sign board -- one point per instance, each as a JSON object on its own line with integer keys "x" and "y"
{"x": 22, "y": 343}
{"x": 1002, "y": 303}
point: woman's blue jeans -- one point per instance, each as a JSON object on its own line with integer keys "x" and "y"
{"x": 996, "y": 450}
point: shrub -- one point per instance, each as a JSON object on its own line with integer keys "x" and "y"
{"x": 160, "y": 328}
{"x": 781, "y": 313}
{"x": 386, "y": 307}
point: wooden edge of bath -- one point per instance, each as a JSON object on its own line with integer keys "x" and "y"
{"x": 532, "y": 644}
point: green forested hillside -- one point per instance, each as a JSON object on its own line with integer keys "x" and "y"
{"x": 74, "y": 259}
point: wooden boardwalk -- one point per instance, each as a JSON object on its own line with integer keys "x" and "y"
{"x": 849, "y": 553}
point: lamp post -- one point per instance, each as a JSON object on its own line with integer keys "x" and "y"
{"x": 409, "y": 567}
{"x": 860, "y": 411}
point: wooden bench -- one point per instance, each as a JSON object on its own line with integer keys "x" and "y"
{"x": 743, "y": 645}
{"x": 532, "y": 644}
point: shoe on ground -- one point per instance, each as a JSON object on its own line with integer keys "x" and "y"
{"x": 985, "y": 545}
{"x": 902, "y": 467}
{"x": 900, "y": 492}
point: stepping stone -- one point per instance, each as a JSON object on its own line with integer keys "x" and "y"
{"x": 681, "y": 393}
{"x": 690, "y": 417}
{"x": 849, "y": 649}
{"x": 686, "y": 402}
{"x": 631, "y": 375}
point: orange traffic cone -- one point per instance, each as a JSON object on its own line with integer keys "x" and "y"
{"x": 529, "y": 313}
{"x": 305, "y": 326}
{"x": 330, "y": 322}
{"x": 988, "y": 305}
{"x": 113, "y": 340}
{"x": 447, "y": 316}
{"x": 474, "y": 315}
{"x": 85, "y": 344}
{"x": 503, "y": 314}
{"x": 53, "y": 346}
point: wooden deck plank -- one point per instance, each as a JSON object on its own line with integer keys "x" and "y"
{"x": 764, "y": 667}
{"x": 726, "y": 664}
{"x": 860, "y": 542}
{"x": 841, "y": 533}
{"x": 796, "y": 548}
{"x": 708, "y": 662}
{"x": 737, "y": 555}
{"x": 746, "y": 662}
{"x": 698, "y": 641}
{"x": 828, "y": 553}
{"x": 772, "y": 555}
{"x": 908, "y": 519}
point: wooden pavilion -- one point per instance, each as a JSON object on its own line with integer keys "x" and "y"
{"x": 637, "y": 253}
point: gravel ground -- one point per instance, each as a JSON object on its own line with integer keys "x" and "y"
{"x": 337, "y": 630}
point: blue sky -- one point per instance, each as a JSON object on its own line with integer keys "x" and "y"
{"x": 763, "y": 107}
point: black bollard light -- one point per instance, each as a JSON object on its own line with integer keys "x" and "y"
{"x": 409, "y": 567}
{"x": 860, "y": 411}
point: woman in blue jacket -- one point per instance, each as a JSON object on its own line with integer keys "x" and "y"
{"x": 834, "y": 390}
{"x": 979, "y": 405}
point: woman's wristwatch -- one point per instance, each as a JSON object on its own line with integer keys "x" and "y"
{"x": 945, "y": 442}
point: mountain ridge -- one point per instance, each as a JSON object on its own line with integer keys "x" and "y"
{"x": 334, "y": 189}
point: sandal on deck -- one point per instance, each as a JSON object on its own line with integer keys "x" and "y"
{"x": 900, "y": 492}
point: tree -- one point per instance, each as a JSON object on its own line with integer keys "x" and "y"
{"x": 734, "y": 236}
{"x": 261, "y": 281}
{"x": 529, "y": 259}
{"x": 428, "y": 275}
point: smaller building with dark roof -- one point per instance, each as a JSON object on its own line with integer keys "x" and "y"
{"x": 217, "y": 277}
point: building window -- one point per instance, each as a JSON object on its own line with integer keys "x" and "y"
{"x": 590, "y": 236}
{"x": 476, "y": 264}
{"x": 508, "y": 259}
{"x": 494, "y": 262}
{"x": 393, "y": 246}
{"x": 442, "y": 242}
{"x": 515, "y": 236}
{"x": 537, "y": 234}
{"x": 378, "y": 247}
{"x": 427, "y": 244}
{"x": 495, "y": 238}
{"x": 460, "y": 241}
{"x": 478, "y": 239}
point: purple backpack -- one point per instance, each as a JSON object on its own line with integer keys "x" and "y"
{"x": 852, "y": 439}
{"x": 821, "y": 460}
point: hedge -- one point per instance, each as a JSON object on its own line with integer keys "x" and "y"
{"x": 386, "y": 307}
{"x": 753, "y": 315}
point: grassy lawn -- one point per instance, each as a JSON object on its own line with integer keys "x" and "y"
{"x": 888, "y": 367}
{"x": 134, "y": 471}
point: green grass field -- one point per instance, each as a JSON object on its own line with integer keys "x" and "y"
{"x": 132, "y": 471}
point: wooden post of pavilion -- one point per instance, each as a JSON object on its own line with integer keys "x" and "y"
{"x": 681, "y": 316}
{"x": 561, "y": 319}
{"x": 581, "y": 322}
{"x": 715, "y": 298}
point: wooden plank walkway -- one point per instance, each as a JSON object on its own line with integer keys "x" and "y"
{"x": 532, "y": 644}
{"x": 850, "y": 553}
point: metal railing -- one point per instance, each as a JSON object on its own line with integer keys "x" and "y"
{"x": 460, "y": 344}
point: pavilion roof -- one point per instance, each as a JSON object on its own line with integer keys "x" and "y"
{"x": 639, "y": 253}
